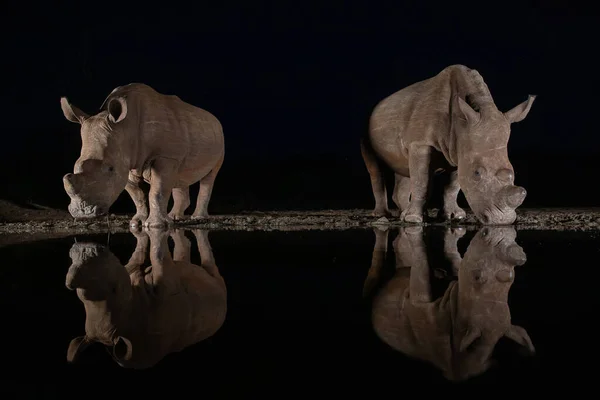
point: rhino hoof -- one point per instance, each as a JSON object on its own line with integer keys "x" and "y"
{"x": 381, "y": 213}
{"x": 176, "y": 217}
{"x": 160, "y": 223}
{"x": 456, "y": 231}
{"x": 413, "y": 218}
{"x": 456, "y": 215}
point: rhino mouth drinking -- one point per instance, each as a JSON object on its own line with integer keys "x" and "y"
{"x": 79, "y": 206}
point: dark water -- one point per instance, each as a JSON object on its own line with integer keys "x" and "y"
{"x": 297, "y": 318}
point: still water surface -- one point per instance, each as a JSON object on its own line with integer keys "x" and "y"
{"x": 277, "y": 312}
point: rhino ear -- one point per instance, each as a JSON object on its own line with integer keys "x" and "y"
{"x": 519, "y": 112}
{"x": 467, "y": 111}
{"x": 117, "y": 109}
{"x": 72, "y": 113}
{"x": 76, "y": 346}
{"x": 122, "y": 350}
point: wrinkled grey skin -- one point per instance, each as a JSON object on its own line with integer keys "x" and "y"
{"x": 144, "y": 137}
{"x": 142, "y": 313}
{"x": 448, "y": 123}
{"x": 457, "y": 332}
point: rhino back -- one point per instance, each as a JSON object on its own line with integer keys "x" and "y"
{"x": 166, "y": 126}
{"x": 418, "y": 113}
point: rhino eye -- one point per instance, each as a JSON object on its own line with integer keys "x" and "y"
{"x": 110, "y": 168}
{"x": 478, "y": 173}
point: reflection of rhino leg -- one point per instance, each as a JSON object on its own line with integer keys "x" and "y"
{"x": 182, "y": 248}
{"x": 138, "y": 257}
{"x": 451, "y": 252}
{"x": 402, "y": 250}
{"x": 159, "y": 252}
{"x": 420, "y": 290}
{"x": 377, "y": 260}
{"x": 206, "y": 255}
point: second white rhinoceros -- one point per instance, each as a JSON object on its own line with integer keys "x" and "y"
{"x": 445, "y": 123}
{"x": 141, "y": 136}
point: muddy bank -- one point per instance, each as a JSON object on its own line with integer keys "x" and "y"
{"x": 58, "y": 221}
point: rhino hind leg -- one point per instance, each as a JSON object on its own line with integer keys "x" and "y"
{"x": 377, "y": 179}
{"x": 451, "y": 209}
{"x": 401, "y": 194}
{"x": 181, "y": 201}
{"x": 139, "y": 194}
{"x": 206, "y": 187}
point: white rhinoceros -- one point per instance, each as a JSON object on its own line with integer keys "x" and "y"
{"x": 447, "y": 123}
{"x": 141, "y": 136}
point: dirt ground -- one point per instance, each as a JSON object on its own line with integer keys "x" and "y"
{"x": 33, "y": 222}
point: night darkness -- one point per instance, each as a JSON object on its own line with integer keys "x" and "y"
{"x": 294, "y": 85}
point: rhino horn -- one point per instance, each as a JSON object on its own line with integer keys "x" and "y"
{"x": 70, "y": 183}
{"x": 518, "y": 113}
{"x": 515, "y": 196}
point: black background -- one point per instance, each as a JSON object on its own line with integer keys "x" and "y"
{"x": 294, "y": 83}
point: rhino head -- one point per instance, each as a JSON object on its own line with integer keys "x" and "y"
{"x": 104, "y": 287}
{"x": 100, "y": 173}
{"x": 485, "y": 173}
{"x": 483, "y": 315}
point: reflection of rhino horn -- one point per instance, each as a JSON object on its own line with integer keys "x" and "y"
{"x": 516, "y": 255}
{"x": 69, "y": 183}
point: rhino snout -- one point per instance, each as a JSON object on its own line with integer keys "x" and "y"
{"x": 515, "y": 196}
{"x": 81, "y": 209}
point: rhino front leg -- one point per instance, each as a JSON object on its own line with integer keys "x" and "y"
{"x": 163, "y": 178}
{"x": 377, "y": 181}
{"x": 419, "y": 165}
{"x": 401, "y": 194}
{"x": 206, "y": 187}
{"x": 136, "y": 189}
{"x": 451, "y": 209}
{"x": 181, "y": 201}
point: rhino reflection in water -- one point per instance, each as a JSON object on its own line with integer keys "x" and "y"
{"x": 457, "y": 332}
{"x": 144, "y": 313}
